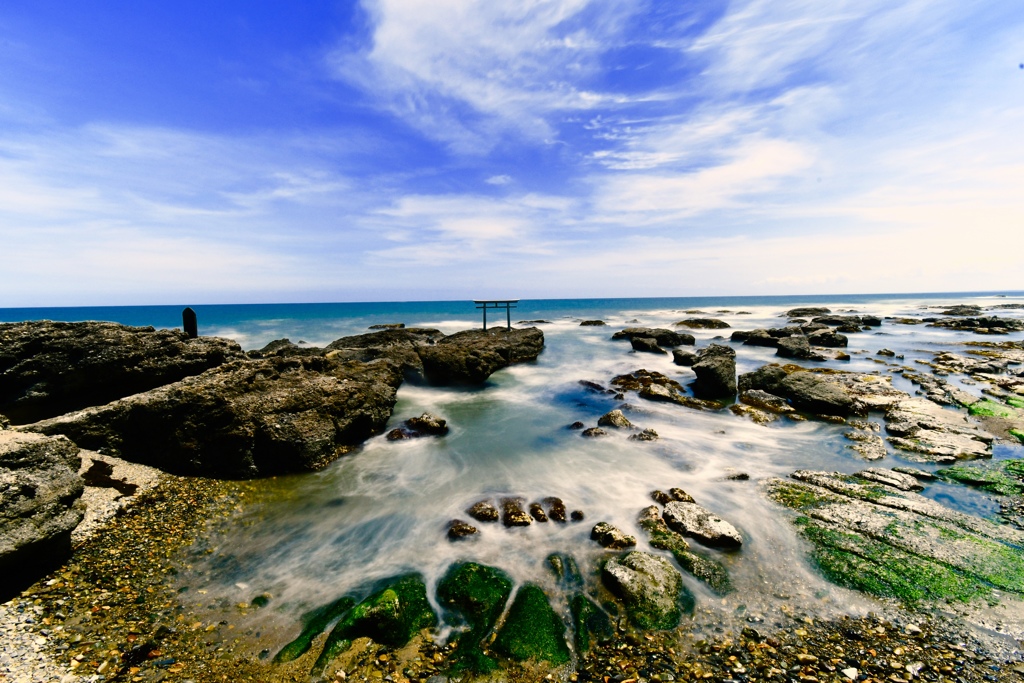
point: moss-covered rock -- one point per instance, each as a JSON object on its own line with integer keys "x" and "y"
{"x": 899, "y": 544}
{"x": 988, "y": 408}
{"x": 1017, "y": 434}
{"x": 1005, "y": 477}
{"x": 650, "y": 588}
{"x": 391, "y": 616}
{"x": 708, "y": 570}
{"x": 478, "y": 594}
{"x": 532, "y": 630}
{"x": 589, "y": 621}
{"x": 565, "y": 569}
{"x": 313, "y": 624}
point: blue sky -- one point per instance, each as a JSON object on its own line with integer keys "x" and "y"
{"x": 238, "y": 151}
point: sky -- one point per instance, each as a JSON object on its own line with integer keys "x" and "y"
{"x": 388, "y": 150}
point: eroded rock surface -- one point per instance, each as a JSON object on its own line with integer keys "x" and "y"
{"x": 50, "y": 368}
{"x": 39, "y": 505}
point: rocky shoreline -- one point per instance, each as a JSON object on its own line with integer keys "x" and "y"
{"x": 219, "y": 421}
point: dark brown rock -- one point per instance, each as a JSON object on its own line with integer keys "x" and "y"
{"x": 471, "y": 356}
{"x": 716, "y": 372}
{"x": 243, "y": 419}
{"x": 483, "y": 511}
{"x": 556, "y": 509}
{"x": 50, "y": 368}
{"x": 512, "y": 513}
{"x": 457, "y": 530}
{"x": 662, "y": 336}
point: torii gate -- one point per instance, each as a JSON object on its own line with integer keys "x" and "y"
{"x": 497, "y": 304}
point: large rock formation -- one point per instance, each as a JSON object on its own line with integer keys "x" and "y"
{"x": 39, "y": 506}
{"x": 471, "y": 356}
{"x": 246, "y": 418}
{"x": 50, "y": 368}
{"x": 662, "y": 336}
{"x": 814, "y": 392}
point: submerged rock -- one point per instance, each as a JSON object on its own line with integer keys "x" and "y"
{"x": 478, "y": 594}
{"x": 40, "y": 506}
{"x": 532, "y": 630}
{"x": 703, "y": 324}
{"x": 650, "y": 588}
{"x": 314, "y": 623}
{"x": 389, "y": 617}
{"x": 51, "y": 368}
{"x": 899, "y": 544}
{"x": 706, "y": 569}
{"x": 589, "y": 622}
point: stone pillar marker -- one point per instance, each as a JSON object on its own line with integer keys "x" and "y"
{"x": 188, "y": 322}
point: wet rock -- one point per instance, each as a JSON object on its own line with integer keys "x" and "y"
{"x": 662, "y": 336}
{"x": 314, "y": 622}
{"x": 807, "y": 328}
{"x": 608, "y": 536}
{"x": 615, "y": 419}
{"x": 684, "y": 358}
{"x": 930, "y": 433}
{"x": 387, "y": 326}
{"x": 390, "y": 617}
{"x": 680, "y": 495}
{"x": 415, "y": 427}
{"x": 650, "y": 588}
{"x": 577, "y": 515}
{"x": 512, "y": 513}
{"x": 758, "y": 337}
{"x": 646, "y": 345}
{"x": 756, "y": 415}
{"x": 51, "y": 368}
{"x": 916, "y": 473}
{"x": 690, "y": 519}
{"x": 807, "y": 312}
{"x": 39, "y": 506}
{"x": 592, "y": 432}
{"x": 1004, "y": 478}
{"x": 661, "y": 497}
{"x": 706, "y": 569}
{"x": 827, "y": 338}
{"x": 869, "y": 445}
{"x": 484, "y": 512}
{"x": 478, "y": 594}
{"x": 243, "y": 419}
{"x": 565, "y": 569}
{"x": 285, "y": 347}
{"x": 537, "y": 512}
{"x": 891, "y": 478}
{"x": 716, "y": 372}
{"x": 471, "y": 356}
{"x": 703, "y": 324}
{"x": 798, "y": 348}
{"x": 556, "y": 509}
{"x": 457, "y": 529}
{"x": 645, "y": 435}
{"x": 765, "y": 401}
{"x": 886, "y": 352}
{"x": 576, "y": 425}
{"x": 897, "y": 543}
{"x": 589, "y": 623}
{"x": 812, "y": 392}
{"x": 592, "y": 323}
{"x": 962, "y": 310}
{"x": 532, "y": 630}
{"x": 851, "y": 320}
{"x": 594, "y": 387}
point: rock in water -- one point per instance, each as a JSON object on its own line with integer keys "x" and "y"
{"x": 39, "y": 506}
{"x": 660, "y": 335}
{"x": 650, "y": 588}
{"x": 424, "y": 425}
{"x": 646, "y": 345}
{"x": 615, "y": 419}
{"x": 608, "y": 536}
{"x": 716, "y": 372}
{"x": 470, "y": 357}
{"x": 243, "y": 419}
{"x": 478, "y": 593}
{"x": 457, "y": 530}
{"x": 693, "y": 520}
{"x": 484, "y": 512}
{"x": 797, "y": 347}
{"x": 532, "y": 630}
{"x": 684, "y": 358}
{"x": 389, "y": 617}
{"x": 50, "y": 368}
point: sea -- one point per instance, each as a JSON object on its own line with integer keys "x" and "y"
{"x": 383, "y": 510}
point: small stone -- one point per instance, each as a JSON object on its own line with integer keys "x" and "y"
{"x": 484, "y": 512}
{"x": 457, "y": 530}
{"x": 594, "y": 432}
{"x": 851, "y": 673}
{"x": 611, "y": 537}
{"x": 576, "y": 515}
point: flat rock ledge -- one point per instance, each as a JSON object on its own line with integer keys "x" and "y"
{"x": 869, "y": 533}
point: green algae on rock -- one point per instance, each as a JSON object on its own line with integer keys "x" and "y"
{"x": 988, "y": 408}
{"x": 1005, "y": 477}
{"x": 589, "y": 620}
{"x": 313, "y": 624}
{"x": 478, "y": 593}
{"x": 391, "y": 617}
{"x": 708, "y": 570}
{"x": 899, "y": 544}
{"x": 532, "y": 630}
{"x": 651, "y": 590}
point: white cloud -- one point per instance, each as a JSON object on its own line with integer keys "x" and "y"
{"x": 499, "y": 180}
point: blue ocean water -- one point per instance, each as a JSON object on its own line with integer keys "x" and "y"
{"x": 253, "y": 325}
